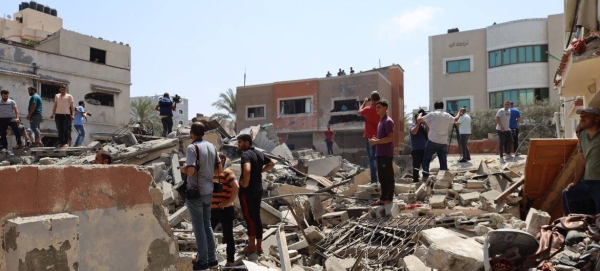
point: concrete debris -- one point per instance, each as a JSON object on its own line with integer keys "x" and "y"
{"x": 535, "y": 220}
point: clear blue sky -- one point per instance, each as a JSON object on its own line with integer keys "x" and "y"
{"x": 200, "y": 48}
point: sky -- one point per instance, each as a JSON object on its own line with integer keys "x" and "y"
{"x": 198, "y": 49}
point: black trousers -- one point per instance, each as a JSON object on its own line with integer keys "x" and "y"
{"x": 505, "y": 139}
{"x": 225, "y": 218}
{"x": 463, "y": 139}
{"x": 167, "y": 123}
{"x": 417, "y": 160}
{"x": 63, "y": 125}
{"x": 329, "y": 148}
{"x": 4, "y": 124}
{"x": 250, "y": 202}
{"x": 515, "y": 138}
{"x": 385, "y": 174}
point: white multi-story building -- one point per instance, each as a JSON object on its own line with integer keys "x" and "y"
{"x": 36, "y": 51}
{"x": 482, "y": 68}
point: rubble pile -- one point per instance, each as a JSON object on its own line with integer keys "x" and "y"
{"x": 318, "y": 216}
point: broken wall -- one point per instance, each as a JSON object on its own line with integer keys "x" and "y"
{"x": 351, "y": 145}
{"x": 118, "y": 228}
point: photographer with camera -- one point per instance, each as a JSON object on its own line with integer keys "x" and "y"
{"x": 80, "y": 114}
{"x": 165, "y": 107}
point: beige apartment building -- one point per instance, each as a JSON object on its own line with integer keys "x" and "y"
{"x": 36, "y": 51}
{"x": 482, "y": 68}
{"x": 300, "y": 110}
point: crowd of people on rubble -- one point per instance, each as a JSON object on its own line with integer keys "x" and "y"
{"x": 65, "y": 114}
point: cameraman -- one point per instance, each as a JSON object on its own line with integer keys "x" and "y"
{"x": 80, "y": 113}
{"x": 166, "y": 106}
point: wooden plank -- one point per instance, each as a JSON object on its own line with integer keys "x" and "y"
{"x": 545, "y": 160}
{"x": 508, "y": 191}
{"x": 573, "y": 170}
{"x": 322, "y": 180}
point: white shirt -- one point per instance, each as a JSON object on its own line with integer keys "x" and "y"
{"x": 504, "y": 115}
{"x": 465, "y": 124}
{"x": 439, "y": 123}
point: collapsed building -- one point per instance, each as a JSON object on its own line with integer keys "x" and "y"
{"x": 58, "y": 210}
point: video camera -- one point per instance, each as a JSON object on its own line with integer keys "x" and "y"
{"x": 177, "y": 98}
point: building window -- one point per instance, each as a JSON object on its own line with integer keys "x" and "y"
{"x": 48, "y": 91}
{"x": 102, "y": 99}
{"x": 456, "y": 66}
{"x": 345, "y": 105}
{"x": 514, "y": 55}
{"x": 453, "y": 106}
{"x": 97, "y": 55}
{"x": 295, "y": 106}
{"x": 519, "y": 97}
{"x": 181, "y": 122}
{"x": 255, "y": 112}
{"x": 180, "y": 112}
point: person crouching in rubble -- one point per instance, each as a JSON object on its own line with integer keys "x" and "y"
{"x": 103, "y": 158}
{"x": 253, "y": 163}
{"x": 222, "y": 210}
{"x": 578, "y": 194}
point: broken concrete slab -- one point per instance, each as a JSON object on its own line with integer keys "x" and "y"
{"x": 168, "y": 197}
{"x": 177, "y": 180}
{"x": 483, "y": 168}
{"x": 332, "y": 219}
{"x": 392, "y": 210}
{"x": 535, "y": 220}
{"x": 447, "y": 251}
{"x": 474, "y": 184}
{"x": 404, "y": 188}
{"x": 487, "y": 200}
{"x": 42, "y": 242}
{"x": 467, "y": 198}
{"x": 324, "y": 166}
{"x": 498, "y": 183}
{"x": 179, "y": 216}
{"x": 437, "y": 201}
{"x": 408, "y": 197}
{"x": 314, "y": 234}
{"x": 413, "y": 263}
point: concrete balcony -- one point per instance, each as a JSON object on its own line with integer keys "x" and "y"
{"x": 581, "y": 76}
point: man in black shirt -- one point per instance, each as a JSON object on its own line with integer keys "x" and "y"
{"x": 254, "y": 163}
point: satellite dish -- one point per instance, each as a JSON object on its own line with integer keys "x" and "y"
{"x": 8, "y": 16}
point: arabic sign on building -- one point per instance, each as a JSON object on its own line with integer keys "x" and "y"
{"x": 460, "y": 43}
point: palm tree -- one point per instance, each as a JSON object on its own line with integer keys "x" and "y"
{"x": 226, "y": 102}
{"x": 143, "y": 111}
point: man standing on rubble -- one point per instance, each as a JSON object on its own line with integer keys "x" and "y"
{"x": 165, "y": 107}
{"x": 329, "y": 134}
{"x": 577, "y": 192}
{"x": 80, "y": 114}
{"x": 222, "y": 210}
{"x": 515, "y": 118}
{"x": 502, "y": 120}
{"x": 34, "y": 114}
{"x": 384, "y": 152}
{"x": 64, "y": 110}
{"x": 201, "y": 159}
{"x": 371, "y": 122}
{"x": 418, "y": 139}
{"x": 439, "y": 123}
{"x": 9, "y": 114}
{"x": 253, "y": 163}
{"x": 463, "y": 120}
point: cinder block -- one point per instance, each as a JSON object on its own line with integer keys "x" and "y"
{"x": 333, "y": 219}
{"x": 42, "y": 242}
{"x": 535, "y": 220}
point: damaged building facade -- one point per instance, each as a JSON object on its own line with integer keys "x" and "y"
{"x": 300, "y": 110}
{"x": 36, "y": 51}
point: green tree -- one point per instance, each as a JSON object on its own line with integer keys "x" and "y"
{"x": 226, "y": 102}
{"x": 142, "y": 110}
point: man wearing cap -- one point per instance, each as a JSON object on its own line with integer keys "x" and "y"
{"x": 64, "y": 110}
{"x": 34, "y": 114}
{"x": 371, "y": 123}
{"x": 589, "y": 146}
{"x": 165, "y": 107}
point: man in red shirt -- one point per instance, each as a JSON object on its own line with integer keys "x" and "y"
{"x": 371, "y": 123}
{"x": 329, "y": 140}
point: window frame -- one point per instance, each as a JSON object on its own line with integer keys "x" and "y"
{"x": 264, "y": 107}
{"x": 527, "y": 93}
{"x": 333, "y": 100}
{"x": 280, "y": 100}
{"x": 459, "y": 63}
{"x": 522, "y": 54}
{"x": 95, "y": 52}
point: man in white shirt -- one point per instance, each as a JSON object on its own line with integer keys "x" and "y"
{"x": 503, "y": 129}
{"x": 439, "y": 123}
{"x": 463, "y": 121}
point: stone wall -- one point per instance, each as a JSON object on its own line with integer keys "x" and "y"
{"x": 109, "y": 209}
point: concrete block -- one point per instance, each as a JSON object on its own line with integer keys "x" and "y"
{"x": 421, "y": 192}
{"x": 458, "y": 187}
{"x": 467, "y": 198}
{"x": 483, "y": 168}
{"x": 325, "y": 166}
{"x": 95, "y": 145}
{"x": 413, "y": 263}
{"x": 474, "y": 184}
{"x": 377, "y": 212}
{"x": 408, "y": 197}
{"x": 314, "y": 234}
{"x": 316, "y": 207}
{"x": 498, "y": 183}
{"x": 392, "y": 210}
{"x": 535, "y": 220}
{"x": 404, "y": 188}
{"x": 335, "y": 218}
{"x": 298, "y": 245}
{"x": 168, "y": 197}
{"x": 47, "y": 242}
{"x": 447, "y": 251}
{"x": 46, "y": 161}
{"x": 364, "y": 195}
{"x": 334, "y": 264}
{"x": 487, "y": 200}
{"x": 437, "y": 201}
{"x": 179, "y": 216}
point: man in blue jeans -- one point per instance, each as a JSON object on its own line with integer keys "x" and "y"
{"x": 201, "y": 160}
{"x": 580, "y": 192}
{"x": 439, "y": 123}
{"x": 80, "y": 114}
{"x": 371, "y": 123}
